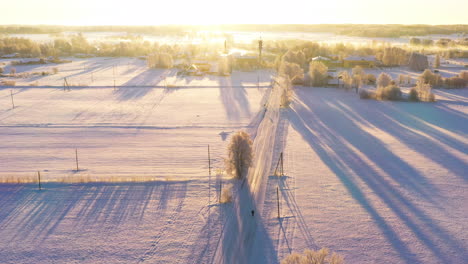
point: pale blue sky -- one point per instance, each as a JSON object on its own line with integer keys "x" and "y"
{"x": 144, "y": 12}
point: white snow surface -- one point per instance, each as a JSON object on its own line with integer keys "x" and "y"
{"x": 377, "y": 182}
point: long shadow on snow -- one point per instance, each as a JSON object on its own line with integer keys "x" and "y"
{"x": 332, "y": 145}
{"x": 37, "y": 214}
{"x": 242, "y": 230}
{"x": 234, "y": 99}
{"x": 406, "y": 126}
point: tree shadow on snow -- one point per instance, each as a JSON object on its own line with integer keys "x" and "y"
{"x": 332, "y": 132}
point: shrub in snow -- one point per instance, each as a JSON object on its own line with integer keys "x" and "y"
{"x": 9, "y": 83}
{"x": 413, "y": 95}
{"x": 463, "y": 75}
{"x": 424, "y": 91}
{"x": 318, "y": 73}
{"x": 455, "y": 82}
{"x": 55, "y": 70}
{"x": 240, "y": 155}
{"x": 12, "y": 71}
{"x": 431, "y": 78}
{"x": 390, "y": 92}
{"x": 1, "y": 70}
{"x": 384, "y": 80}
{"x": 418, "y": 62}
{"x": 321, "y": 256}
{"x": 364, "y": 94}
{"x": 370, "y": 78}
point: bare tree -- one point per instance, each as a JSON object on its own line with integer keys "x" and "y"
{"x": 240, "y": 155}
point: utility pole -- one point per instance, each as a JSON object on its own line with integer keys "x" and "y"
{"x": 209, "y": 161}
{"x": 12, "y": 102}
{"x": 282, "y": 168}
{"x": 76, "y": 159}
{"x": 39, "y": 178}
{"x": 260, "y": 47}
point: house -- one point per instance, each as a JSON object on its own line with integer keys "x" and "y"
{"x": 327, "y": 61}
{"x": 363, "y": 61}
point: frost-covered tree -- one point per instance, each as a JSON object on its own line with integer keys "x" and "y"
{"x": 318, "y": 73}
{"x": 292, "y": 71}
{"x": 384, "y": 80}
{"x": 346, "y": 79}
{"x": 240, "y": 155}
{"x": 160, "y": 60}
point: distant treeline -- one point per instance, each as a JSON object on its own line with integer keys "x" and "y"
{"x": 360, "y": 30}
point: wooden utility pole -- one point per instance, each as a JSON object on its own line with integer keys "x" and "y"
{"x": 282, "y": 168}
{"x": 76, "y": 159}
{"x": 12, "y": 102}
{"x": 39, "y": 178}
{"x": 277, "y": 199}
{"x": 209, "y": 161}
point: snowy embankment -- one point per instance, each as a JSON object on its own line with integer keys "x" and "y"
{"x": 244, "y": 238}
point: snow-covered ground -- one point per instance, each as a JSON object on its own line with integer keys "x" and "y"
{"x": 378, "y": 182}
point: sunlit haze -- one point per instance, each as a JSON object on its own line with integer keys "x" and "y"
{"x": 144, "y": 12}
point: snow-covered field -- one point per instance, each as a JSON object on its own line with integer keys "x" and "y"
{"x": 378, "y": 182}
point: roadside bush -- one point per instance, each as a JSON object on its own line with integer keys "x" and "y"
{"x": 413, "y": 95}
{"x": 321, "y": 256}
{"x": 226, "y": 195}
{"x": 286, "y": 96}
{"x": 240, "y": 155}
{"x": 383, "y": 80}
{"x": 390, "y": 92}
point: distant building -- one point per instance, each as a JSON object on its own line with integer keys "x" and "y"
{"x": 363, "y": 61}
{"x": 327, "y": 61}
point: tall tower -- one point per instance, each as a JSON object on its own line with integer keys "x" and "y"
{"x": 260, "y": 47}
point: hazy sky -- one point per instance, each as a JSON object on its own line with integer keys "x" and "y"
{"x": 145, "y": 12}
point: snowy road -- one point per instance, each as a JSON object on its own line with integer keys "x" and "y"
{"x": 244, "y": 238}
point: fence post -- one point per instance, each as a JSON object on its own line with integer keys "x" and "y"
{"x": 76, "y": 159}
{"x": 12, "y": 102}
{"x": 39, "y": 177}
